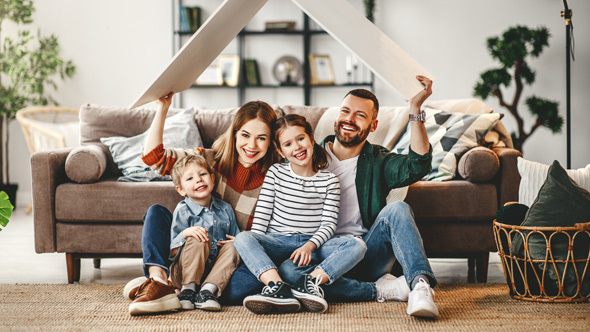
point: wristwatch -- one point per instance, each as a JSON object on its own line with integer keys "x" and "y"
{"x": 418, "y": 117}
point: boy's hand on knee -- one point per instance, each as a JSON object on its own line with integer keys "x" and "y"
{"x": 197, "y": 232}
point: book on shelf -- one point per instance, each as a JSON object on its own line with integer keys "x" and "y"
{"x": 251, "y": 72}
{"x": 189, "y": 18}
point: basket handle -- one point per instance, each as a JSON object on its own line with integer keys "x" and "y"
{"x": 582, "y": 226}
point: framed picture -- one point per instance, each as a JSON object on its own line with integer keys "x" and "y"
{"x": 209, "y": 76}
{"x": 228, "y": 70}
{"x": 321, "y": 69}
{"x": 252, "y": 74}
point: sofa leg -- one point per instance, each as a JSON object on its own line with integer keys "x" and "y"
{"x": 97, "y": 263}
{"x": 73, "y": 266}
{"x": 471, "y": 269}
{"x": 482, "y": 261}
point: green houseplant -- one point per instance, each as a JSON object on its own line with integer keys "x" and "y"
{"x": 5, "y": 209}
{"x": 29, "y": 68}
{"x": 512, "y": 50}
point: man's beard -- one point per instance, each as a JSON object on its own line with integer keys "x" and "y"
{"x": 350, "y": 141}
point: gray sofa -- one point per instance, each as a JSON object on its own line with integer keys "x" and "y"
{"x": 82, "y": 210}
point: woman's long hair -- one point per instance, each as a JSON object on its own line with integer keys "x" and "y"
{"x": 224, "y": 148}
{"x": 319, "y": 160}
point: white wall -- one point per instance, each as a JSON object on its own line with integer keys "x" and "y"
{"x": 119, "y": 47}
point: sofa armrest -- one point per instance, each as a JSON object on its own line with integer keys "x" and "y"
{"x": 508, "y": 179}
{"x": 48, "y": 171}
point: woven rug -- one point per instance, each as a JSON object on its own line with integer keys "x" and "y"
{"x": 463, "y": 307}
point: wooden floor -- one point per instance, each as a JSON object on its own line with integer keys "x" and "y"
{"x": 20, "y": 264}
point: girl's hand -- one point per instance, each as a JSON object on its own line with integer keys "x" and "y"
{"x": 303, "y": 253}
{"x": 197, "y": 232}
{"x": 221, "y": 243}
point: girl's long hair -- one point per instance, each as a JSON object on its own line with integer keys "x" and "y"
{"x": 319, "y": 160}
{"x": 224, "y": 148}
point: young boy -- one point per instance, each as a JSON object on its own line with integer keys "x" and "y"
{"x": 201, "y": 227}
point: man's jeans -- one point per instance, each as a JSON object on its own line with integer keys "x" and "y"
{"x": 155, "y": 243}
{"x": 260, "y": 252}
{"x": 394, "y": 235}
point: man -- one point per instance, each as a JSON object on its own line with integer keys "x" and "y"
{"x": 367, "y": 173}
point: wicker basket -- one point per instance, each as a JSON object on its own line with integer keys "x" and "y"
{"x": 558, "y": 276}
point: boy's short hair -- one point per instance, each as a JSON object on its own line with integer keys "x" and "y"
{"x": 180, "y": 165}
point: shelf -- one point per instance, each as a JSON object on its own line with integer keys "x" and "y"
{"x": 264, "y": 32}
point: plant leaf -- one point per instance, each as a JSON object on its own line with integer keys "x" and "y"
{"x": 5, "y": 209}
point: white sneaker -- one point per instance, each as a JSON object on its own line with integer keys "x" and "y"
{"x": 391, "y": 288}
{"x": 421, "y": 301}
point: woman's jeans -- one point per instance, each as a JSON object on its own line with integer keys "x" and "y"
{"x": 394, "y": 235}
{"x": 155, "y": 243}
{"x": 262, "y": 252}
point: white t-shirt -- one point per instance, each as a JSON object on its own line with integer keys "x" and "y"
{"x": 349, "y": 219}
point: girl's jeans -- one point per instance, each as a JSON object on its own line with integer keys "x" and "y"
{"x": 261, "y": 252}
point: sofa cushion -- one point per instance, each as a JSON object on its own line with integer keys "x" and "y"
{"x": 180, "y": 131}
{"x": 311, "y": 113}
{"x": 86, "y": 164}
{"x": 106, "y": 121}
{"x": 451, "y": 135}
{"x": 213, "y": 123}
{"x": 479, "y": 164}
{"x": 109, "y": 201}
{"x": 534, "y": 174}
{"x": 457, "y": 200}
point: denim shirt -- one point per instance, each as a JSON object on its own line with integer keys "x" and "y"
{"x": 219, "y": 219}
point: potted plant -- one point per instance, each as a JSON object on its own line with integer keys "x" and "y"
{"x": 5, "y": 209}
{"x": 29, "y": 65}
{"x": 511, "y": 50}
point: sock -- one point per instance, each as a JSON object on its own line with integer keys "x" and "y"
{"x": 160, "y": 280}
{"x": 192, "y": 286}
{"x": 210, "y": 287}
{"x": 417, "y": 279}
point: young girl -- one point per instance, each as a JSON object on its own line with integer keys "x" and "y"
{"x": 296, "y": 214}
{"x": 240, "y": 159}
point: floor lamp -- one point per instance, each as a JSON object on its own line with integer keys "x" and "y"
{"x": 567, "y": 15}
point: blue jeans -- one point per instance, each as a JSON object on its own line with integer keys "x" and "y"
{"x": 155, "y": 244}
{"x": 260, "y": 252}
{"x": 392, "y": 236}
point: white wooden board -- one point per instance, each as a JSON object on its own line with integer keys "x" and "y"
{"x": 202, "y": 48}
{"x": 373, "y": 47}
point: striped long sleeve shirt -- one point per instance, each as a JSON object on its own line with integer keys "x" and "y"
{"x": 290, "y": 204}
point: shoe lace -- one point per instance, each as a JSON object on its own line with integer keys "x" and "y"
{"x": 314, "y": 286}
{"x": 270, "y": 289}
{"x": 423, "y": 287}
{"x": 206, "y": 295}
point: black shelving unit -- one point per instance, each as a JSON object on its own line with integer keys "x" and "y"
{"x": 307, "y": 33}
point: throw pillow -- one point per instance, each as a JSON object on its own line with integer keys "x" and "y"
{"x": 451, "y": 135}
{"x": 533, "y": 175}
{"x": 479, "y": 164}
{"x": 560, "y": 203}
{"x": 180, "y": 131}
{"x": 86, "y": 164}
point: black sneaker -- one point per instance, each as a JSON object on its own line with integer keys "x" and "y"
{"x": 187, "y": 299}
{"x": 274, "y": 299}
{"x": 204, "y": 300}
{"x": 308, "y": 291}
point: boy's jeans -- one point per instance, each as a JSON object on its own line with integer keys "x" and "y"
{"x": 260, "y": 252}
{"x": 155, "y": 243}
{"x": 394, "y": 235}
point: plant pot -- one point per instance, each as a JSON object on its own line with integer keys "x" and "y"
{"x": 10, "y": 189}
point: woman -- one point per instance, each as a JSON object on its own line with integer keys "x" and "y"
{"x": 240, "y": 159}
